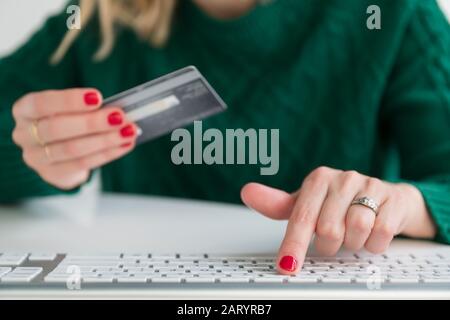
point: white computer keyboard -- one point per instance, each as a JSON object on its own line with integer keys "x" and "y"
{"x": 147, "y": 270}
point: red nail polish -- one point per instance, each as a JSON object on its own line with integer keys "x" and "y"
{"x": 288, "y": 263}
{"x": 127, "y": 131}
{"x": 115, "y": 118}
{"x": 91, "y": 98}
{"x": 126, "y": 145}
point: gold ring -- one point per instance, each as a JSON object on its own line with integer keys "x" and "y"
{"x": 35, "y": 133}
{"x": 47, "y": 153}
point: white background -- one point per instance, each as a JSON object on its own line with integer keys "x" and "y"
{"x": 18, "y": 18}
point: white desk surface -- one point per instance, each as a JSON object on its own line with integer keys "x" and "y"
{"x": 115, "y": 223}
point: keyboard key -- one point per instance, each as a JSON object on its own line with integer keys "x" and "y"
{"x": 303, "y": 279}
{"x": 86, "y": 263}
{"x": 178, "y": 275}
{"x": 4, "y": 270}
{"x": 234, "y": 279}
{"x": 93, "y": 257}
{"x": 138, "y": 279}
{"x": 21, "y": 275}
{"x": 336, "y": 280}
{"x": 314, "y": 268}
{"x": 97, "y": 279}
{"x": 163, "y": 256}
{"x": 42, "y": 257}
{"x": 166, "y": 280}
{"x": 404, "y": 280}
{"x": 279, "y": 279}
{"x": 437, "y": 280}
{"x": 12, "y": 259}
{"x": 200, "y": 280}
{"x": 58, "y": 278}
{"x": 138, "y": 256}
{"x": 192, "y": 256}
{"x": 367, "y": 280}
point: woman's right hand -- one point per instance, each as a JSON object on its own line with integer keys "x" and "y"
{"x": 64, "y": 135}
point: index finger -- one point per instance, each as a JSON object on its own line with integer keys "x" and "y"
{"x": 47, "y": 103}
{"x": 301, "y": 226}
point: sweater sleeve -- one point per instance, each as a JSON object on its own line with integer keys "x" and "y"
{"x": 28, "y": 70}
{"x": 416, "y": 110}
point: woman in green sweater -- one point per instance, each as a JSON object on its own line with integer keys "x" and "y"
{"x": 363, "y": 113}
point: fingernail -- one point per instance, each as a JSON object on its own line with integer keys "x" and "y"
{"x": 288, "y": 263}
{"x": 127, "y": 131}
{"x": 126, "y": 145}
{"x": 91, "y": 98}
{"x": 115, "y": 118}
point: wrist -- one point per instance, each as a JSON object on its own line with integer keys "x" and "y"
{"x": 418, "y": 222}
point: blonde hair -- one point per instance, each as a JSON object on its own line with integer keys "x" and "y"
{"x": 150, "y": 19}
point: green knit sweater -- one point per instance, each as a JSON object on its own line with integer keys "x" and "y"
{"x": 344, "y": 96}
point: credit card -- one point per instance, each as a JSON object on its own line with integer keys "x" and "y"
{"x": 169, "y": 102}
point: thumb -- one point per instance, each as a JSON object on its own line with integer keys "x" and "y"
{"x": 271, "y": 202}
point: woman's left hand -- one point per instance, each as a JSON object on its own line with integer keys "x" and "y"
{"x": 323, "y": 205}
